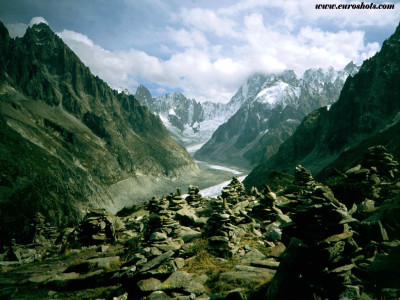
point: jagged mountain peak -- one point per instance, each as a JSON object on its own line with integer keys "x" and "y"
{"x": 273, "y": 106}
{"x": 368, "y": 105}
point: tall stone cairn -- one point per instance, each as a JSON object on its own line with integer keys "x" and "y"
{"x": 321, "y": 225}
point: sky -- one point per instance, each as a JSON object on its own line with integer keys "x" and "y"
{"x": 205, "y": 49}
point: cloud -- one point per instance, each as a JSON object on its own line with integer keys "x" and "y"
{"x": 206, "y": 20}
{"x": 208, "y": 53}
{"x": 297, "y": 12}
{"x": 205, "y": 73}
{"x": 37, "y": 20}
{"x": 188, "y": 39}
{"x": 19, "y": 29}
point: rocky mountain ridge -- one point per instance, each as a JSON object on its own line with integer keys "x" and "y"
{"x": 67, "y": 139}
{"x": 367, "y": 107}
{"x": 273, "y": 107}
{"x": 189, "y": 121}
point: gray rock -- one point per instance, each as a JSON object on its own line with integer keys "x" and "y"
{"x": 157, "y": 261}
{"x": 158, "y": 236}
{"x": 188, "y": 234}
{"x": 178, "y": 279}
{"x": 158, "y": 295}
{"x": 351, "y": 292}
{"x": 266, "y": 263}
{"x": 195, "y": 288}
{"x": 149, "y": 285}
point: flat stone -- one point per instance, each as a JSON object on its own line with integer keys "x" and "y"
{"x": 40, "y": 278}
{"x": 266, "y": 263}
{"x": 179, "y": 262}
{"x": 159, "y": 295}
{"x": 178, "y": 279}
{"x": 107, "y": 263}
{"x": 248, "y": 277}
{"x": 339, "y": 237}
{"x": 157, "y": 261}
{"x": 186, "y": 216}
{"x": 202, "y": 279}
{"x": 250, "y": 256}
{"x": 171, "y": 246}
{"x": 149, "y": 285}
{"x": 195, "y": 288}
{"x": 188, "y": 234}
{"x": 62, "y": 280}
{"x": 218, "y": 239}
{"x": 158, "y": 236}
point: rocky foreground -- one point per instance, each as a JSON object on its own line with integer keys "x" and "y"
{"x": 306, "y": 240}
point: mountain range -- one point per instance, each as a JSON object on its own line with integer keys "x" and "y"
{"x": 273, "y": 107}
{"x": 67, "y": 140}
{"x": 190, "y": 122}
{"x": 367, "y": 112}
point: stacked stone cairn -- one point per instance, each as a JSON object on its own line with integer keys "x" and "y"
{"x": 220, "y": 229}
{"x": 44, "y": 233}
{"x": 381, "y": 162}
{"x": 233, "y": 191}
{"x": 96, "y": 228}
{"x": 176, "y": 201}
{"x": 269, "y": 216}
{"x": 320, "y": 244}
{"x": 161, "y": 231}
{"x": 195, "y": 198}
{"x": 266, "y": 209}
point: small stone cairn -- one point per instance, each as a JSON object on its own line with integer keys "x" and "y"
{"x": 194, "y": 199}
{"x": 95, "y": 229}
{"x": 233, "y": 191}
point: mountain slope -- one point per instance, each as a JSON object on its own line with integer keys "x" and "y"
{"x": 368, "y": 104}
{"x": 274, "y": 106}
{"x": 189, "y": 121}
{"x": 67, "y": 137}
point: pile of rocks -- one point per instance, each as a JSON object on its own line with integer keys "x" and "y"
{"x": 161, "y": 232}
{"x": 221, "y": 231}
{"x": 176, "y": 201}
{"x": 44, "y": 233}
{"x": 233, "y": 191}
{"x": 324, "y": 243}
{"x": 265, "y": 210}
{"x": 380, "y": 161}
{"x": 303, "y": 177}
{"x": 195, "y": 198}
{"x": 96, "y": 228}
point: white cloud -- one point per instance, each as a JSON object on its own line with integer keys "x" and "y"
{"x": 19, "y": 29}
{"x": 208, "y": 53}
{"x": 296, "y": 12}
{"x": 189, "y": 39}
{"x": 37, "y": 20}
{"x": 206, "y": 20}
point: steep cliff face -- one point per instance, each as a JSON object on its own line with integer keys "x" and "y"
{"x": 66, "y": 136}
{"x": 368, "y": 105}
{"x": 274, "y": 106}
